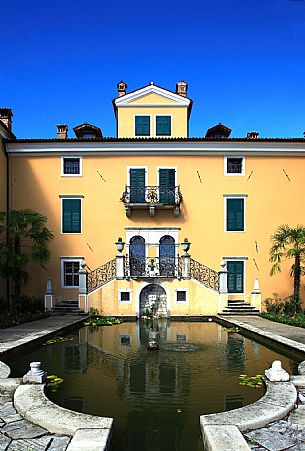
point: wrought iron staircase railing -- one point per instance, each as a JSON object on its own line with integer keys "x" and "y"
{"x": 207, "y": 276}
{"x": 101, "y": 275}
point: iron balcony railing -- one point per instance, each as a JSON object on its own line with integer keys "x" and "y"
{"x": 167, "y": 267}
{"x": 152, "y": 195}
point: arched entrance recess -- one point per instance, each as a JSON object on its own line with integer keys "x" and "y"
{"x": 153, "y": 297}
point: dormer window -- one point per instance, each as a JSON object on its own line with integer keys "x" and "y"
{"x": 163, "y": 125}
{"x": 89, "y": 135}
{"x": 142, "y": 125}
{"x": 88, "y": 131}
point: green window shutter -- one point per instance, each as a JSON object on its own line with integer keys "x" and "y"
{"x": 163, "y": 126}
{"x": 71, "y": 215}
{"x": 235, "y": 276}
{"x": 235, "y": 215}
{"x": 142, "y": 125}
{"x": 137, "y": 185}
{"x": 167, "y": 186}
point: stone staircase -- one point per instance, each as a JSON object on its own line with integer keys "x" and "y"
{"x": 239, "y": 307}
{"x": 67, "y": 307}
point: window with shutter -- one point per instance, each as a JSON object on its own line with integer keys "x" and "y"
{"x": 142, "y": 125}
{"x": 235, "y": 215}
{"x": 235, "y": 276}
{"x": 71, "y": 215}
{"x": 137, "y": 185}
{"x": 163, "y": 125}
{"x": 167, "y": 186}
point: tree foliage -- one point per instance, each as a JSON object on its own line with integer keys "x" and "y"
{"x": 289, "y": 243}
{"x": 23, "y": 237}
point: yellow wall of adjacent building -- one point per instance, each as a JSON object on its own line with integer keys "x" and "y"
{"x": 159, "y": 106}
{"x": 271, "y": 200}
{"x": 3, "y": 201}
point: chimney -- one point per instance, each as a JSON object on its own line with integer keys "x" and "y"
{"x": 6, "y": 117}
{"x": 252, "y": 135}
{"x": 62, "y": 131}
{"x": 181, "y": 88}
{"x": 121, "y": 88}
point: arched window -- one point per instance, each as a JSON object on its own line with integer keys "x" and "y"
{"x": 167, "y": 256}
{"x": 137, "y": 256}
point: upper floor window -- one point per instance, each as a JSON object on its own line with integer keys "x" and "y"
{"x": 163, "y": 125}
{"x": 142, "y": 125}
{"x": 71, "y": 215}
{"x": 71, "y": 166}
{"x": 235, "y": 214}
{"x": 234, "y": 166}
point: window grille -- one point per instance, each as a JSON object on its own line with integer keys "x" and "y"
{"x": 71, "y": 276}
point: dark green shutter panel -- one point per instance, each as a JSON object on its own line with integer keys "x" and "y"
{"x": 142, "y": 125}
{"x": 167, "y": 186}
{"x": 235, "y": 215}
{"x": 235, "y": 277}
{"x": 71, "y": 216}
{"x": 163, "y": 125}
{"x": 137, "y": 185}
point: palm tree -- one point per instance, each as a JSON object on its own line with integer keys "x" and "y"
{"x": 289, "y": 243}
{"x": 23, "y": 237}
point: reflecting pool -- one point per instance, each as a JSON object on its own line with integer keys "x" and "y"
{"x": 155, "y": 397}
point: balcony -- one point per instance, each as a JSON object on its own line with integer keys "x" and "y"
{"x": 151, "y": 198}
{"x": 149, "y": 267}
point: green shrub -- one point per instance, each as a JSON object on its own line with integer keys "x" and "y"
{"x": 8, "y": 319}
{"x": 289, "y": 306}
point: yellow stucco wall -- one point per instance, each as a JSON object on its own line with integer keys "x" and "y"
{"x": 158, "y": 106}
{"x": 200, "y": 300}
{"x": 272, "y": 200}
{"x": 3, "y": 202}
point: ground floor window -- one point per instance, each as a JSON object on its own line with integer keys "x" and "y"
{"x": 235, "y": 276}
{"x": 70, "y": 272}
{"x": 125, "y": 296}
{"x": 181, "y": 295}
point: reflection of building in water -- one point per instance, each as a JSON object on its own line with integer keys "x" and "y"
{"x": 236, "y": 352}
{"x": 233, "y": 402}
{"x": 74, "y": 403}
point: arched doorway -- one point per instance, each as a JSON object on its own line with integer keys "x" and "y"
{"x": 167, "y": 256}
{"x": 137, "y": 256}
{"x": 153, "y": 297}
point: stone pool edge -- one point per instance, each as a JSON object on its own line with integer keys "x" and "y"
{"x": 32, "y": 404}
{"x": 87, "y": 431}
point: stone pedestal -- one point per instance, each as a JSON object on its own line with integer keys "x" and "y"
{"x": 186, "y": 266}
{"x": 120, "y": 265}
{"x": 36, "y": 375}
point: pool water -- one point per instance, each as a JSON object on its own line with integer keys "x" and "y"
{"x": 155, "y": 397}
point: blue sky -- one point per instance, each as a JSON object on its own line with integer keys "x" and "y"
{"x": 244, "y": 61}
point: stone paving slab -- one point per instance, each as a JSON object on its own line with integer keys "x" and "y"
{"x": 23, "y": 429}
{"x": 15, "y": 337}
{"x": 38, "y": 444}
{"x": 271, "y": 440}
{"x": 4, "y": 442}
